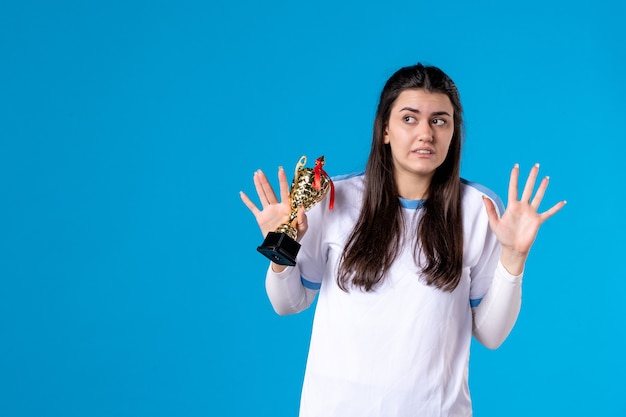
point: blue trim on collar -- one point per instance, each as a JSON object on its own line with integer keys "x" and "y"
{"x": 412, "y": 204}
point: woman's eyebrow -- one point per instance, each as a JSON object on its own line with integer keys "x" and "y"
{"x": 436, "y": 113}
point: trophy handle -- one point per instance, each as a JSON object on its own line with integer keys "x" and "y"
{"x": 301, "y": 163}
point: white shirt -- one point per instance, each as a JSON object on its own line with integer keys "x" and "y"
{"x": 403, "y": 348}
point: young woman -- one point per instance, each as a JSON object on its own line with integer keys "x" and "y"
{"x": 409, "y": 264}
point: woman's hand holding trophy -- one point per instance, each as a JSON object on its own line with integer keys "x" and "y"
{"x": 309, "y": 187}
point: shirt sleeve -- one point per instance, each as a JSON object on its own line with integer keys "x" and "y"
{"x": 294, "y": 289}
{"x": 483, "y": 241}
{"x": 497, "y": 313}
{"x": 286, "y": 291}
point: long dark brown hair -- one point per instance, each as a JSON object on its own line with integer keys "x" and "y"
{"x": 376, "y": 238}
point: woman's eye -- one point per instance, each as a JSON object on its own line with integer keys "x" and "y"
{"x": 409, "y": 119}
{"x": 439, "y": 122}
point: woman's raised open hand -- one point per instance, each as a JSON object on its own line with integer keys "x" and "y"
{"x": 518, "y": 226}
{"x": 273, "y": 212}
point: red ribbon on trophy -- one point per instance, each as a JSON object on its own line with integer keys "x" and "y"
{"x": 318, "y": 170}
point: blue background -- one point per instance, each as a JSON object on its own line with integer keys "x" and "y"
{"x": 129, "y": 280}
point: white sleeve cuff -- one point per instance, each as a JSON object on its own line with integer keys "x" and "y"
{"x": 502, "y": 273}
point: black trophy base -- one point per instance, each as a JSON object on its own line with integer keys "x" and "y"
{"x": 280, "y": 248}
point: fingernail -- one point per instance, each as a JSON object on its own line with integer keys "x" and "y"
{"x": 537, "y": 165}
{"x": 547, "y": 177}
{"x": 280, "y": 168}
{"x": 516, "y": 165}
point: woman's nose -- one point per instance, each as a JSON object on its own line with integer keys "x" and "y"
{"x": 425, "y": 132}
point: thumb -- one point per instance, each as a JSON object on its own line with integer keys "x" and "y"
{"x": 491, "y": 212}
{"x": 302, "y": 224}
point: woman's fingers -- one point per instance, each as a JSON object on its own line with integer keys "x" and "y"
{"x": 259, "y": 188}
{"x": 284, "y": 186}
{"x": 530, "y": 184}
{"x": 266, "y": 193}
{"x": 527, "y": 194}
{"x": 540, "y": 193}
{"x": 513, "y": 179}
{"x": 549, "y": 213}
{"x": 302, "y": 223}
{"x": 492, "y": 214}
{"x": 246, "y": 200}
{"x": 264, "y": 189}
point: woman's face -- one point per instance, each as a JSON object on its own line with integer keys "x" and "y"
{"x": 419, "y": 133}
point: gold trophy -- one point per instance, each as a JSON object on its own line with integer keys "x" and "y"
{"x": 308, "y": 188}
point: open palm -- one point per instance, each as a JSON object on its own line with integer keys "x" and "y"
{"x": 273, "y": 213}
{"x": 518, "y": 226}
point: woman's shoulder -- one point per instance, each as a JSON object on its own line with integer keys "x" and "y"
{"x": 348, "y": 190}
{"x": 351, "y": 178}
{"x": 349, "y": 183}
{"x": 472, "y": 192}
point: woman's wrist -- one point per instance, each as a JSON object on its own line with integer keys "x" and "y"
{"x": 513, "y": 261}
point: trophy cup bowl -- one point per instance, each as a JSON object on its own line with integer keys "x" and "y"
{"x": 309, "y": 186}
